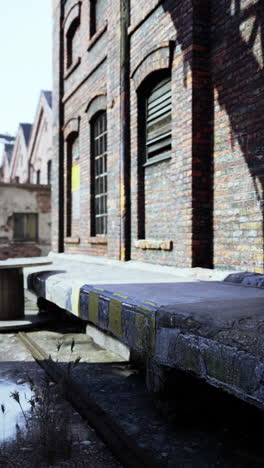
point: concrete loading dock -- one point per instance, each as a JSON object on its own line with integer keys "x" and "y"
{"x": 188, "y": 319}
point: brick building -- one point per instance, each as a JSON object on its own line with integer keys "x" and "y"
{"x": 158, "y": 121}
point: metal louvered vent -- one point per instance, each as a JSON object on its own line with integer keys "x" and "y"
{"x": 158, "y": 128}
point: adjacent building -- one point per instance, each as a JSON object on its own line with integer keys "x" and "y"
{"x": 24, "y": 220}
{"x": 25, "y": 191}
{"x": 19, "y": 161}
{"x": 6, "y": 162}
{"x": 29, "y": 158}
{"x": 40, "y": 145}
{"x": 158, "y": 131}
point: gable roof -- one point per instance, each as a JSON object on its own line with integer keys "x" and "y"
{"x": 48, "y": 96}
{"x": 26, "y": 128}
{"x": 8, "y": 149}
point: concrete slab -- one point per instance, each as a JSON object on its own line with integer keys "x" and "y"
{"x": 213, "y": 329}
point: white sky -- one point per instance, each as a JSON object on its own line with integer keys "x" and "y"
{"x": 26, "y": 60}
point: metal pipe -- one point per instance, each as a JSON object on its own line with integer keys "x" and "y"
{"x": 125, "y": 215}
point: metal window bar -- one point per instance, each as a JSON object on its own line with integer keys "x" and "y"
{"x": 100, "y": 174}
{"x": 158, "y": 119}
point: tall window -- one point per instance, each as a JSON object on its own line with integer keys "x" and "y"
{"x": 49, "y": 165}
{"x": 38, "y": 177}
{"x": 25, "y": 226}
{"x": 97, "y": 15}
{"x": 99, "y": 174}
{"x": 158, "y": 119}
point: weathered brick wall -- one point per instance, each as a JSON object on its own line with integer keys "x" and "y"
{"x": 93, "y": 75}
{"x": 206, "y": 198}
{"x": 237, "y": 71}
{"x": 169, "y": 189}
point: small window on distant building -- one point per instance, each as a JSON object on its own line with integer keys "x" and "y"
{"x": 25, "y": 226}
{"x": 158, "y": 120}
{"x": 17, "y": 180}
{"x": 97, "y": 15}
{"x": 49, "y": 165}
{"x": 38, "y": 177}
{"x": 99, "y": 175}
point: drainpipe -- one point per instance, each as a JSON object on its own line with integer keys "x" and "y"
{"x": 60, "y": 136}
{"x": 125, "y": 132}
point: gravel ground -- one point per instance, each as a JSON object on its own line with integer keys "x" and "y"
{"x": 83, "y": 448}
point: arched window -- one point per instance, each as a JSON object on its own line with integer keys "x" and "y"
{"x": 158, "y": 119}
{"x": 99, "y": 175}
{"x": 72, "y": 42}
{"x": 97, "y": 15}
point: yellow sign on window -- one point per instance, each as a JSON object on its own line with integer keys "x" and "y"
{"x": 75, "y": 182}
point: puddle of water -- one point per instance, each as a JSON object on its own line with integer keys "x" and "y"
{"x": 13, "y": 414}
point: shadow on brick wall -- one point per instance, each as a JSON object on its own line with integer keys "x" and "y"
{"x": 236, "y": 77}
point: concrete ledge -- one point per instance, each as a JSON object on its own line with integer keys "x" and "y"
{"x": 246, "y": 278}
{"x": 213, "y": 329}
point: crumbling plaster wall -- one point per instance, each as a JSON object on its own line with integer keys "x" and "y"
{"x": 24, "y": 198}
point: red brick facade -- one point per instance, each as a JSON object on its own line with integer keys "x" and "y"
{"x": 202, "y": 204}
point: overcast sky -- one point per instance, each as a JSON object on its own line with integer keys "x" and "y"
{"x": 26, "y": 59}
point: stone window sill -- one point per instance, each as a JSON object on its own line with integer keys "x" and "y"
{"x": 157, "y": 159}
{"x": 71, "y": 69}
{"x": 72, "y": 240}
{"x": 153, "y": 244}
{"x": 24, "y": 241}
{"x": 98, "y": 240}
{"x": 97, "y": 35}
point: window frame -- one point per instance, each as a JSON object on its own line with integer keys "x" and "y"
{"x": 71, "y": 32}
{"x": 99, "y": 209}
{"x": 24, "y": 238}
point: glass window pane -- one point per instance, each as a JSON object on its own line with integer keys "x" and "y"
{"x": 99, "y": 143}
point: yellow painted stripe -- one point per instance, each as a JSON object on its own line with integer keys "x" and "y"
{"x": 75, "y": 177}
{"x": 150, "y": 303}
{"x": 93, "y": 307}
{"x": 75, "y": 299}
{"x": 115, "y": 316}
{"x": 120, "y": 295}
